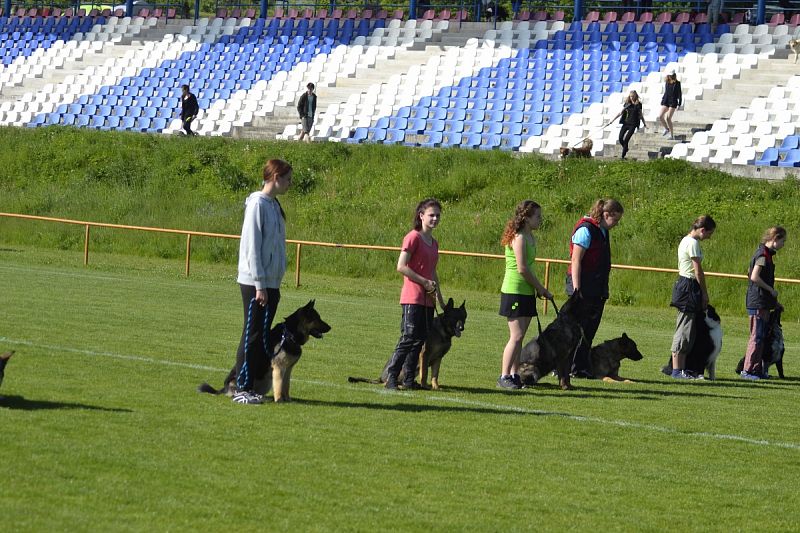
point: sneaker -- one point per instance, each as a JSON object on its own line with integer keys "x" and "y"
{"x": 695, "y": 375}
{"x": 507, "y": 382}
{"x": 751, "y": 377}
{"x": 391, "y": 383}
{"x": 412, "y": 386}
{"x": 681, "y": 374}
{"x": 517, "y": 380}
{"x": 666, "y": 132}
{"x": 247, "y": 397}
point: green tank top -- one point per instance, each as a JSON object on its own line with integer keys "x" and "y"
{"x": 513, "y": 282}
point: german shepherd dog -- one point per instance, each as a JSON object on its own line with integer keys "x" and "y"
{"x": 7, "y": 355}
{"x": 448, "y": 324}
{"x": 555, "y": 347}
{"x": 794, "y": 46}
{"x": 772, "y": 353}
{"x": 606, "y": 358}
{"x": 585, "y": 150}
{"x": 707, "y": 345}
{"x": 286, "y": 342}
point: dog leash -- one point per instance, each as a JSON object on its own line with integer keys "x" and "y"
{"x": 538, "y": 322}
{"x": 592, "y": 133}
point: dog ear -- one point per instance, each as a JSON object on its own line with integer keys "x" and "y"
{"x": 464, "y": 304}
{"x": 449, "y": 302}
{"x": 310, "y": 304}
{"x": 624, "y": 335}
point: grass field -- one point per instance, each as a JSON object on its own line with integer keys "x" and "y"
{"x": 102, "y": 429}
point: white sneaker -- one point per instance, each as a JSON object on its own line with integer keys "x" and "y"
{"x": 247, "y": 397}
{"x": 666, "y": 132}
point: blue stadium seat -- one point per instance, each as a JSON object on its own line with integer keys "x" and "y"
{"x": 791, "y": 142}
{"x": 394, "y": 136}
{"x": 359, "y": 136}
{"x": 792, "y": 159}
{"x": 434, "y": 139}
{"x": 98, "y": 121}
{"x": 451, "y": 138}
{"x": 768, "y": 158}
{"x": 376, "y": 134}
{"x": 510, "y": 142}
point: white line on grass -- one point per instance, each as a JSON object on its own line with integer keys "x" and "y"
{"x": 434, "y": 397}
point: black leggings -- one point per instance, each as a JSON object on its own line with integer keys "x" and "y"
{"x": 253, "y": 357}
{"x": 625, "y": 134}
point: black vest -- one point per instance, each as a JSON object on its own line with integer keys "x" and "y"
{"x": 758, "y": 298}
{"x": 596, "y": 263}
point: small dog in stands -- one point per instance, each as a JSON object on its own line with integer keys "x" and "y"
{"x": 585, "y": 150}
{"x": 794, "y": 46}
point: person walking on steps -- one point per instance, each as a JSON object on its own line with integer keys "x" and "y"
{"x": 306, "y": 108}
{"x": 630, "y": 117}
{"x": 189, "y": 110}
{"x": 672, "y": 100}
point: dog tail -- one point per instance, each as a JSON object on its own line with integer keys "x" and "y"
{"x": 208, "y": 389}
{"x": 351, "y": 379}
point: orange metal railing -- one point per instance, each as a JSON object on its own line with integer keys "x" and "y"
{"x": 190, "y": 233}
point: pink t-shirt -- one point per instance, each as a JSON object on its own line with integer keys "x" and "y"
{"x": 422, "y": 261}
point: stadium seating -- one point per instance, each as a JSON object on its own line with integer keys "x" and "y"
{"x": 530, "y": 85}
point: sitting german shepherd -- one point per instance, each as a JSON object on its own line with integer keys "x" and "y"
{"x": 286, "y": 342}
{"x": 585, "y": 150}
{"x": 7, "y": 355}
{"x": 772, "y": 353}
{"x": 555, "y": 348}
{"x": 448, "y": 324}
{"x": 606, "y": 358}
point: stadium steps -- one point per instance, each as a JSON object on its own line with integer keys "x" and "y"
{"x": 71, "y": 68}
{"x": 269, "y": 127}
{"x": 699, "y": 115}
{"x": 157, "y": 32}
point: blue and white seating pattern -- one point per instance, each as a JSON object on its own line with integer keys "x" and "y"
{"x": 523, "y": 86}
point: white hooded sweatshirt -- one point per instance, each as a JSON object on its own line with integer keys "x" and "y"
{"x": 262, "y": 249}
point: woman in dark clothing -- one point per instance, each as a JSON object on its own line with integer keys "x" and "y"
{"x": 671, "y": 101}
{"x": 631, "y": 115}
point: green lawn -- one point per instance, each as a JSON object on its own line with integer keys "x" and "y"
{"x": 102, "y": 429}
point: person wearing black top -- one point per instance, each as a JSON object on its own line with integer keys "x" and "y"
{"x": 761, "y": 297}
{"x": 631, "y": 115}
{"x": 306, "y": 108}
{"x": 189, "y": 109}
{"x": 672, "y": 100}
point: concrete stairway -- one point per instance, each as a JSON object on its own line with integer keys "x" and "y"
{"x": 699, "y": 115}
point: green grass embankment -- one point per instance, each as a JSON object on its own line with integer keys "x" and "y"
{"x": 365, "y": 194}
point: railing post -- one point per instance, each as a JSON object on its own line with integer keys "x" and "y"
{"x": 188, "y": 251}
{"x": 86, "y": 246}
{"x": 297, "y": 266}
{"x": 546, "y": 283}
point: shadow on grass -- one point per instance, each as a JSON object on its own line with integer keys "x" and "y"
{"x": 18, "y": 402}
{"x": 422, "y": 408}
{"x": 611, "y": 392}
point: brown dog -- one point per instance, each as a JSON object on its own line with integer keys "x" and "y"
{"x": 286, "y": 342}
{"x": 585, "y": 150}
{"x": 448, "y": 324}
{"x": 794, "y": 46}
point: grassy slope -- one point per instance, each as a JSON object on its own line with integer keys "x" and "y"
{"x": 105, "y": 432}
{"x": 364, "y": 194}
